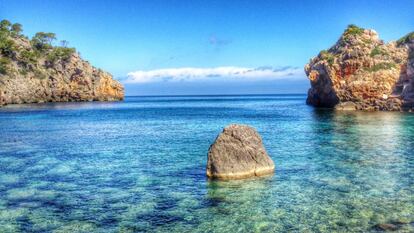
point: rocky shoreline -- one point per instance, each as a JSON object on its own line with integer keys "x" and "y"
{"x": 36, "y": 71}
{"x": 361, "y": 72}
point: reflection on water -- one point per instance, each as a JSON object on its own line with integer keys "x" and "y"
{"x": 139, "y": 166}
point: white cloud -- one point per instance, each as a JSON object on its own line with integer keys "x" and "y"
{"x": 216, "y": 73}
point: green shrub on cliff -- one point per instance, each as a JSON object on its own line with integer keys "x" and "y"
{"x": 4, "y": 65}
{"x": 405, "y": 39}
{"x": 29, "y": 57}
{"x": 353, "y": 30}
{"x": 378, "y": 51}
{"x": 327, "y": 56}
{"x": 381, "y": 66}
{"x": 59, "y": 53}
{"x": 7, "y": 47}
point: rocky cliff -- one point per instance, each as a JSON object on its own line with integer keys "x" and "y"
{"x": 33, "y": 71}
{"x": 361, "y": 72}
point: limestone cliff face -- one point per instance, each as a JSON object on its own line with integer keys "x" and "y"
{"x": 362, "y": 72}
{"x": 54, "y": 74}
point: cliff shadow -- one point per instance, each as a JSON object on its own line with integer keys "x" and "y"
{"x": 318, "y": 97}
{"x": 404, "y": 87}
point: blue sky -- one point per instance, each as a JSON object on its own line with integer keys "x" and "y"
{"x": 162, "y": 37}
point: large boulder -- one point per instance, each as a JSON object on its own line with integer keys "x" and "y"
{"x": 238, "y": 153}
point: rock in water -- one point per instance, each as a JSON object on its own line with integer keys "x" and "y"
{"x": 238, "y": 153}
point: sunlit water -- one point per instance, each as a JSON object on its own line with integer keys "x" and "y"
{"x": 139, "y": 166}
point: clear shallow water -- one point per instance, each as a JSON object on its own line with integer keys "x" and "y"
{"x": 139, "y": 165}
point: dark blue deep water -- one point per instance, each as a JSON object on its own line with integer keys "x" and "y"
{"x": 139, "y": 166}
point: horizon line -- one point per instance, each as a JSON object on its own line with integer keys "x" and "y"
{"x": 206, "y": 95}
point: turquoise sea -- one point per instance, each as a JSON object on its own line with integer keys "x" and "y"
{"x": 139, "y": 166}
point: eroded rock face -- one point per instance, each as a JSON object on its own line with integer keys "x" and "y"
{"x": 238, "y": 153}
{"x": 71, "y": 79}
{"x": 363, "y": 70}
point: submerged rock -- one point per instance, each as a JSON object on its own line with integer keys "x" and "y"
{"x": 393, "y": 226}
{"x": 346, "y": 106}
{"x": 386, "y": 227}
{"x": 238, "y": 153}
{"x": 362, "y": 69}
